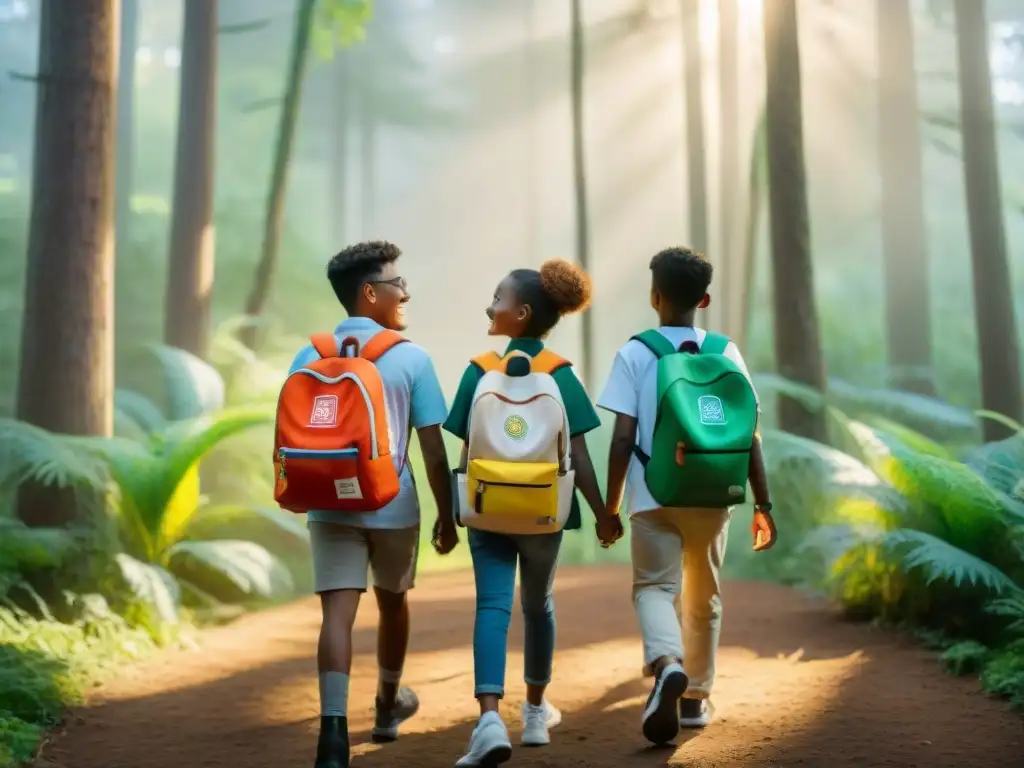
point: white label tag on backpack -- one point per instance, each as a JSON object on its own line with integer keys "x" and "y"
{"x": 348, "y": 488}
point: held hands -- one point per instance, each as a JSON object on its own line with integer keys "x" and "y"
{"x": 763, "y": 528}
{"x": 446, "y": 535}
{"x": 609, "y": 529}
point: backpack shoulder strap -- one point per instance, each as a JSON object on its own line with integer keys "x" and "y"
{"x": 381, "y": 343}
{"x": 325, "y": 344}
{"x": 488, "y": 361}
{"x": 655, "y": 342}
{"x": 548, "y": 362}
{"x": 714, "y": 344}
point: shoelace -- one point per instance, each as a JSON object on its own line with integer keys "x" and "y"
{"x": 535, "y": 715}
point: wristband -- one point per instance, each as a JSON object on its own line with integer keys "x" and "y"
{"x": 763, "y": 507}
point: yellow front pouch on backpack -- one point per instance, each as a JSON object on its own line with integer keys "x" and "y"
{"x": 512, "y": 489}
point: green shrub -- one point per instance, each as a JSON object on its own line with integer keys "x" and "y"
{"x": 1003, "y": 675}
{"x": 966, "y": 658}
{"x": 45, "y": 665}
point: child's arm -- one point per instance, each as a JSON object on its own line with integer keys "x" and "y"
{"x": 586, "y": 477}
{"x": 619, "y": 454}
{"x": 435, "y": 460}
{"x": 758, "y": 473}
{"x": 763, "y": 524}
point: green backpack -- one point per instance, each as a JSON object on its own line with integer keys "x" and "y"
{"x": 704, "y": 429}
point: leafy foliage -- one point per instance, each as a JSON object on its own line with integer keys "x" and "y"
{"x": 1003, "y": 675}
{"x": 964, "y": 658}
{"x": 152, "y": 485}
{"x": 45, "y": 665}
{"x": 910, "y": 412}
{"x": 340, "y": 22}
{"x": 894, "y": 526}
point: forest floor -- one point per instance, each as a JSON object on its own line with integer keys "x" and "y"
{"x": 796, "y": 687}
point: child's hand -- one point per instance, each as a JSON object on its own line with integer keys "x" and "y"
{"x": 763, "y": 528}
{"x": 609, "y": 529}
{"x": 446, "y": 535}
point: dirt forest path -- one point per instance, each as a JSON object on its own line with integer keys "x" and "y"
{"x": 796, "y": 687}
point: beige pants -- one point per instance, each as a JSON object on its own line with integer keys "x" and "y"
{"x": 343, "y": 553}
{"x": 677, "y": 549}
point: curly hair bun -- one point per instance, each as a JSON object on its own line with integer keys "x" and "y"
{"x": 567, "y": 286}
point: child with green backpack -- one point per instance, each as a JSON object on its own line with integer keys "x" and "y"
{"x": 686, "y": 435}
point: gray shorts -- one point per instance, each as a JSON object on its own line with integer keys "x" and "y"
{"x": 343, "y": 553}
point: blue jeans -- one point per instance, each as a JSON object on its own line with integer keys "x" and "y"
{"x": 494, "y": 567}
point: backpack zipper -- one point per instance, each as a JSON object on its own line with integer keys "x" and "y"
{"x": 311, "y": 453}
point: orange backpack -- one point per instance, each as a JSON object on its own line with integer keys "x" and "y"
{"x": 332, "y": 448}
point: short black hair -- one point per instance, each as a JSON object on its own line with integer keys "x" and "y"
{"x": 681, "y": 276}
{"x": 357, "y": 265}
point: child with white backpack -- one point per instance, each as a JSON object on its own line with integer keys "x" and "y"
{"x": 522, "y": 416}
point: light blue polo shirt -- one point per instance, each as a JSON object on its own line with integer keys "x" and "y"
{"x": 414, "y": 400}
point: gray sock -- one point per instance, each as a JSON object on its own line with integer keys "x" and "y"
{"x": 333, "y": 694}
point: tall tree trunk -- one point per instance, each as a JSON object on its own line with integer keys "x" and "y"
{"x": 579, "y": 167}
{"x": 730, "y": 293}
{"x": 696, "y": 170}
{"x": 125, "y": 168}
{"x": 756, "y": 183}
{"x": 577, "y": 75}
{"x": 339, "y": 150}
{"x": 907, "y": 279}
{"x": 367, "y": 147}
{"x": 191, "y": 262}
{"x": 998, "y": 342}
{"x": 797, "y": 337}
{"x": 274, "y": 218}
{"x": 66, "y": 376}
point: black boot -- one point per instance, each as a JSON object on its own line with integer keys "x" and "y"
{"x": 332, "y": 747}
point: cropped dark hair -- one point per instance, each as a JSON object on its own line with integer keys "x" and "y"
{"x": 558, "y": 288}
{"x": 357, "y": 265}
{"x": 681, "y": 276}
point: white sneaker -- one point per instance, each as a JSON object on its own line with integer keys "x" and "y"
{"x": 386, "y": 724}
{"x": 694, "y": 713}
{"x": 537, "y": 721}
{"x": 489, "y": 745}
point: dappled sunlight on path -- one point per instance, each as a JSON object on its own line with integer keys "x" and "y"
{"x": 796, "y": 687}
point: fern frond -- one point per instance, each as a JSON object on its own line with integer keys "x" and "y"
{"x": 1009, "y": 607}
{"x": 940, "y": 560}
{"x": 32, "y": 454}
{"x": 1001, "y": 465}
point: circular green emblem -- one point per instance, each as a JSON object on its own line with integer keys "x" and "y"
{"x": 515, "y": 427}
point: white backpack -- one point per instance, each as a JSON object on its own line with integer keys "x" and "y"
{"x": 518, "y": 476}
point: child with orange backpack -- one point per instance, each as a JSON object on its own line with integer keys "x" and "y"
{"x": 343, "y": 425}
{"x": 522, "y": 417}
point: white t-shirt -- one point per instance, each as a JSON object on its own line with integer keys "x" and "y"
{"x": 632, "y": 390}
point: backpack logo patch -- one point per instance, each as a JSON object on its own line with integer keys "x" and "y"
{"x": 325, "y": 411}
{"x": 515, "y": 427}
{"x": 348, "y": 488}
{"x": 712, "y": 412}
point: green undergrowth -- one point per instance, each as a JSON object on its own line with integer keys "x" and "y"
{"x": 47, "y": 665}
{"x": 999, "y": 670}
